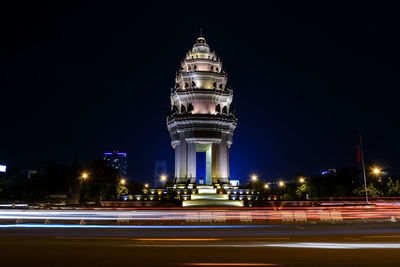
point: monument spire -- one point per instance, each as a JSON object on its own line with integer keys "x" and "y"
{"x": 201, "y": 118}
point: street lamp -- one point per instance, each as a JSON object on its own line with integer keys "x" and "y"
{"x": 254, "y": 178}
{"x": 281, "y": 183}
{"x": 377, "y": 171}
{"x": 163, "y": 179}
{"x": 123, "y": 181}
{"x": 85, "y": 175}
{"x": 302, "y": 180}
{"x": 146, "y": 185}
{"x": 266, "y": 186}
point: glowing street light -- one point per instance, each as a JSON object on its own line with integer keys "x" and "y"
{"x": 281, "y": 183}
{"x": 85, "y": 175}
{"x": 254, "y": 178}
{"x": 146, "y": 185}
{"x": 163, "y": 179}
{"x": 376, "y": 171}
{"x": 266, "y": 186}
{"x": 123, "y": 181}
{"x": 302, "y": 180}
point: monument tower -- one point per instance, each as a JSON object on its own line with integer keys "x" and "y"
{"x": 201, "y": 119}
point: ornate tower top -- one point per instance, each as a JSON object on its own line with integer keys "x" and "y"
{"x": 201, "y": 118}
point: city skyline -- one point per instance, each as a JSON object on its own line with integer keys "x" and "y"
{"x": 304, "y": 88}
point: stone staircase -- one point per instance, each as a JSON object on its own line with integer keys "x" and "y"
{"x": 207, "y": 196}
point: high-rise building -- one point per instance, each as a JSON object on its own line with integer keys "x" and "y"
{"x": 201, "y": 121}
{"x": 117, "y": 160}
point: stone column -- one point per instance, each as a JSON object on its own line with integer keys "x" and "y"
{"x": 208, "y": 164}
{"x": 182, "y": 159}
{"x": 177, "y": 161}
{"x": 191, "y": 174}
{"x": 223, "y": 160}
{"x": 215, "y": 161}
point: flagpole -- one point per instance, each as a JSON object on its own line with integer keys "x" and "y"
{"x": 363, "y": 165}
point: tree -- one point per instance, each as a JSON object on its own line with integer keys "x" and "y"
{"x": 301, "y": 191}
{"x": 371, "y": 190}
{"x": 121, "y": 190}
{"x": 101, "y": 182}
{"x": 393, "y": 187}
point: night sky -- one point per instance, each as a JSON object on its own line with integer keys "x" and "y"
{"x": 79, "y": 81}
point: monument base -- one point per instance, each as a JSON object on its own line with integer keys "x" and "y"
{"x": 207, "y": 196}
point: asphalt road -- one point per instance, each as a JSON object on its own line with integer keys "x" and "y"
{"x": 282, "y": 245}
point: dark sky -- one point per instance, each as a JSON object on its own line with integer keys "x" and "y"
{"x": 77, "y": 81}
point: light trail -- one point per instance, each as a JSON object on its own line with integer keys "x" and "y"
{"x": 309, "y": 245}
{"x": 131, "y": 226}
{"x": 176, "y": 239}
{"x": 229, "y": 264}
{"x": 296, "y": 214}
{"x": 338, "y": 245}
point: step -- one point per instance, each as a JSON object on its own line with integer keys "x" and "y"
{"x": 207, "y": 203}
{"x": 210, "y": 196}
{"x": 204, "y": 186}
{"x": 206, "y": 190}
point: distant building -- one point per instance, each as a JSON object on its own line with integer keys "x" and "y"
{"x": 117, "y": 160}
{"x": 3, "y": 168}
{"x": 234, "y": 183}
{"x": 160, "y": 168}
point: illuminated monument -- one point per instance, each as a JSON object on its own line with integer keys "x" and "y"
{"x": 201, "y": 119}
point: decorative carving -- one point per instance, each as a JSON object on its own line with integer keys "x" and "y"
{"x": 190, "y": 108}
{"x": 218, "y": 108}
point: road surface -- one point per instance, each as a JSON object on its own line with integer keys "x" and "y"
{"x": 279, "y": 245}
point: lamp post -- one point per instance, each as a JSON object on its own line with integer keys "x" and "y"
{"x": 84, "y": 176}
{"x": 254, "y": 179}
{"x": 122, "y": 181}
{"x": 163, "y": 179}
{"x": 377, "y": 172}
{"x": 302, "y": 180}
